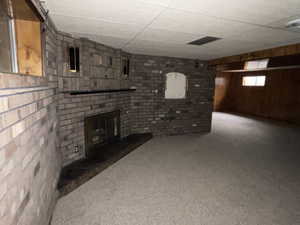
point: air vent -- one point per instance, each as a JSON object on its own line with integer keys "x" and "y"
{"x": 203, "y": 41}
{"x": 293, "y": 24}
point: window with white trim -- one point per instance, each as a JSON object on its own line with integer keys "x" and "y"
{"x": 250, "y": 81}
{"x": 256, "y": 64}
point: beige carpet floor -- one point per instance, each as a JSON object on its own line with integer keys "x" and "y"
{"x": 246, "y": 172}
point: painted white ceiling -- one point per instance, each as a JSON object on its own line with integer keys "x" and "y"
{"x": 164, "y": 27}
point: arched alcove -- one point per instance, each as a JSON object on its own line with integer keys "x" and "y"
{"x": 176, "y": 86}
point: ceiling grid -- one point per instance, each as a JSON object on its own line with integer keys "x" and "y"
{"x": 165, "y": 27}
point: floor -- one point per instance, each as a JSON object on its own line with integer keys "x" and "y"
{"x": 81, "y": 171}
{"x": 246, "y": 172}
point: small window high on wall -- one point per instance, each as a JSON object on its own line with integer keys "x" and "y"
{"x": 256, "y": 64}
{"x": 21, "y": 38}
{"x": 176, "y": 86}
{"x": 259, "y": 81}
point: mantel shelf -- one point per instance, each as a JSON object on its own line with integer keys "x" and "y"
{"x": 86, "y": 92}
{"x": 265, "y": 69}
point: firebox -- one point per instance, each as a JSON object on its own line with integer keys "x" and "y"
{"x": 100, "y": 130}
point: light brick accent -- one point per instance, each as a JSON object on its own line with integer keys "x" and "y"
{"x": 29, "y": 161}
{"x": 3, "y": 104}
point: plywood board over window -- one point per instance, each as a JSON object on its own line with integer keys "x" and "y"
{"x": 29, "y": 39}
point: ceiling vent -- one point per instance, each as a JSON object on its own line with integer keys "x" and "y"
{"x": 203, "y": 41}
{"x": 293, "y": 24}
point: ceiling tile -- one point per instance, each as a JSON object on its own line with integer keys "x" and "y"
{"x": 97, "y": 27}
{"x": 282, "y": 24}
{"x": 167, "y": 36}
{"x": 125, "y": 11}
{"x": 158, "y": 2}
{"x": 172, "y": 49}
{"x": 158, "y": 48}
{"x": 106, "y": 40}
{"x": 195, "y": 23}
{"x": 269, "y": 36}
{"x": 164, "y": 27}
{"x": 252, "y": 11}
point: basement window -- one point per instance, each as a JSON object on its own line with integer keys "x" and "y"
{"x": 74, "y": 59}
{"x": 176, "y": 86}
{"x": 251, "y": 81}
{"x": 21, "y": 38}
{"x": 256, "y": 64}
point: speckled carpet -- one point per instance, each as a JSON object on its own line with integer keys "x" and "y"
{"x": 246, "y": 172}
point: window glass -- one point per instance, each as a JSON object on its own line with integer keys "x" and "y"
{"x": 256, "y": 64}
{"x": 254, "y": 80}
{"x": 260, "y": 81}
{"x": 5, "y": 53}
{"x": 176, "y": 86}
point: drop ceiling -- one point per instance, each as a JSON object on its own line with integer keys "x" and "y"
{"x": 164, "y": 27}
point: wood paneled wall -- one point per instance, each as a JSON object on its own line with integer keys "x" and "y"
{"x": 222, "y": 83}
{"x": 266, "y": 53}
{"x": 279, "y": 99}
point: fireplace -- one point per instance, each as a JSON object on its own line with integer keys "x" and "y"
{"x": 100, "y": 130}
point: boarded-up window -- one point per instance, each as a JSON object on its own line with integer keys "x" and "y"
{"x": 176, "y": 85}
{"x": 21, "y": 37}
{"x": 28, "y": 38}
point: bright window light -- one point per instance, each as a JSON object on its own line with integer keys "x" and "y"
{"x": 254, "y": 81}
{"x": 256, "y": 64}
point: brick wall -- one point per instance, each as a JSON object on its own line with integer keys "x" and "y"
{"x": 145, "y": 110}
{"x": 73, "y": 110}
{"x": 41, "y": 124}
{"x": 153, "y": 113}
{"x": 92, "y": 75}
{"x": 29, "y": 161}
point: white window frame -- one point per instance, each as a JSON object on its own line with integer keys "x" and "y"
{"x": 256, "y": 64}
{"x": 13, "y": 46}
{"x": 254, "y": 81}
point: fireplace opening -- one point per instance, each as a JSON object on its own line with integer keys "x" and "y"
{"x": 100, "y": 130}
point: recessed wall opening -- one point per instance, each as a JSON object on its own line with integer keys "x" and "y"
{"x": 176, "y": 86}
{"x": 74, "y": 59}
